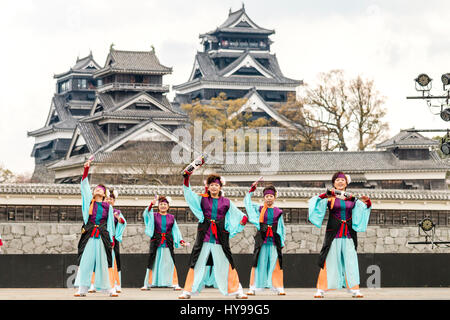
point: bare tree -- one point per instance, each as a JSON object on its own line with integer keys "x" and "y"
{"x": 339, "y": 109}
{"x": 327, "y": 109}
{"x": 305, "y": 137}
{"x": 367, "y": 112}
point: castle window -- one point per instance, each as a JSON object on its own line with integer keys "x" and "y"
{"x": 79, "y": 112}
{"x": 248, "y": 71}
{"x": 99, "y": 108}
{"x": 243, "y": 24}
{"x": 63, "y": 86}
{"x": 253, "y": 44}
{"x": 197, "y": 74}
{"x": 142, "y": 107}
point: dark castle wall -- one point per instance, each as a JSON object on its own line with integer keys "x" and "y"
{"x": 300, "y": 270}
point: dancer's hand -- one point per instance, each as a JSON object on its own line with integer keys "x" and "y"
{"x": 366, "y": 200}
{"x": 87, "y": 164}
{"x": 89, "y": 161}
{"x": 154, "y": 200}
{"x": 328, "y": 194}
{"x": 255, "y": 184}
{"x": 186, "y": 174}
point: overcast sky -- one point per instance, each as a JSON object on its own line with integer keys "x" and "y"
{"x": 390, "y": 42}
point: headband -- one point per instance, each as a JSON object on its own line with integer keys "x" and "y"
{"x": 101, "y": 187}
{"x": 270, "y": 191}
{"x": 344, "y": 176}
{"x": 218, "y": 181}
{"x": 341, "y": 175}
{"x": 166, "y": 200}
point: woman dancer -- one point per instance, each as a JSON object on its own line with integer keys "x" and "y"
{"x": 338, "y": 259}
{"x": 163, "y": 230}
{"x": 219, "y": 220}
{"x": 267, "y": 268}
{"x": 95, "y": 245}
{"x": 119, "y": 224}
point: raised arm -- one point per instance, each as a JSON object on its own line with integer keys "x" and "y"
{"x": 149, "y": 220}
{"x": 193, "y": 200}
{"x": 252, "y": 209}
{"x": 86, "y": 193}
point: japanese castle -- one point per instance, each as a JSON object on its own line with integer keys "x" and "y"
{"x": 118, "y": 112}
{"x": 236, "y": 60}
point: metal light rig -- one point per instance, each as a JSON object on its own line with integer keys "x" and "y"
{"x": 429, "y": 229}
{"x": 423, "y": 84}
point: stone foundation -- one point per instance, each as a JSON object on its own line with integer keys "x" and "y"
{"x": 62, "y": 238}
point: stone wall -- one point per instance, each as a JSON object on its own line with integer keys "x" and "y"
{"x": 42, "y": 174}
{"x": 62, "y": 238}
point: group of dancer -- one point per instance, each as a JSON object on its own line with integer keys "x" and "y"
{"x": 211, "y": 262}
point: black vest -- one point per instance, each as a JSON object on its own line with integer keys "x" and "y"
{"x": 333, "y": 227}
{"x": 154, "y": 243}
{"x": 86, "y": 235}
{"x": 260, "y": 237}
{"x": 222, "y": 235}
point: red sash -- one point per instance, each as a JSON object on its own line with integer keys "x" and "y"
{"x": 269, "y": 232}
{"x": 163, "y": 238}
{"x": 344, "y": 228}
{"x": 95, "y": 232}
{"x": 214, "y": 228}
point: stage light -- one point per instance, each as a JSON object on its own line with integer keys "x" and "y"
{"x": 445, "y": 78}
{"x": 423, "y": 80}
{"x": 426, "y": 224}
{"x": 445, "y": 114}
{"x": 445, "y": 147}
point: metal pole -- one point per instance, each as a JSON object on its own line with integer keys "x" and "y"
{"x": 426, "y": 242}
{"x": 426, "y": 130}
{"x": 426, "y": 97}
